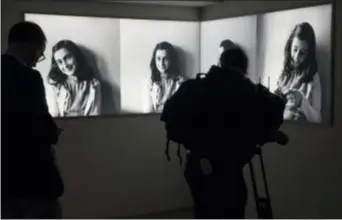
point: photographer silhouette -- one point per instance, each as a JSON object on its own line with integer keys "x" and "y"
{"x": 221, "y": 119}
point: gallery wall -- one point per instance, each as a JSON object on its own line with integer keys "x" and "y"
{"x": 303, "y": 177}
{"x": 112, "y": 166}
{"x": 115, "y": 166}
{"x": 124, "y": 58}
{"x": 119, "y": 52}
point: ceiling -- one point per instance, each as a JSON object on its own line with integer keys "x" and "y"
{"x": 171, "y": 3}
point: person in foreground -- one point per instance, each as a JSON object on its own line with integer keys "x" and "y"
{"x": 220, "y": 119}
{"x": 30, "y": 180}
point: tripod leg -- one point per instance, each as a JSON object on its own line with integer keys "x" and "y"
{"x": 267, "y": 201}
{"x": 255, "y": 192}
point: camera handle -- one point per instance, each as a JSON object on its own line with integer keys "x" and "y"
{"x": 263, "y": 204}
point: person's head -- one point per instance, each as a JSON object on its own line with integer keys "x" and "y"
{"x": 27, "y": 40}
{"x": 234, "y": 59}
{"x": 164, "y": 61}
{"x": 68, "y": 60}
{"x": 300, "y": 50}
{"x": 225, "y": 45}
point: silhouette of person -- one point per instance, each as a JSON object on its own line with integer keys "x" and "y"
{"x": 232, "y": 122}
{"x": 226, "y": 45}
{"x": 31, "y": 182}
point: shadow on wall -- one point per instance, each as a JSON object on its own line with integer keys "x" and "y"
{"x": 110, "y": 92}
{"x": 322, "y": 55}
{"x": 185, "y": 58}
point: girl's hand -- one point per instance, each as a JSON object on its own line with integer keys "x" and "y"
{"x": 295, "y": 83}
{"x": 294, "y": 97}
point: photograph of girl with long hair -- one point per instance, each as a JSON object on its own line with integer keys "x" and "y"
{"x": 166, "y": 76}
{"x": 299, "y": 81}
{"x": 76, "y": 90}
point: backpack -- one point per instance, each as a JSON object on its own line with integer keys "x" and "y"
{"x": 183, "y": 117}
{"x": 179, "y": 113}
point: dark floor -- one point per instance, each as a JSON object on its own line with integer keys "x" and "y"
{"x": 182, "y": 213}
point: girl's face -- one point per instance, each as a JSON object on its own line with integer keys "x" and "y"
{"x": 299, "y": 51}
{"x": 66, "y": 61}
{"x": 162, "y": 60}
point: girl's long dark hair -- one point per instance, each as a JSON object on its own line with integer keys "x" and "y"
{"x": 173, "y": 70}
{"x": 83, "y": 70}
{"x": 302, "y": 31}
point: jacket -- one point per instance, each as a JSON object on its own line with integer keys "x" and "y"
{"x": 28, "y": 133}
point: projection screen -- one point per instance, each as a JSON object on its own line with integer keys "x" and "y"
{"x": 110, "y": 66}
{"x": 289, "y": 52}
{"x": 107, "y": 66}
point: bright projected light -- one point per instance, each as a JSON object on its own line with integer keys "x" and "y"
{"x": 109, "y": 66}
{"x": 106, "y": 66}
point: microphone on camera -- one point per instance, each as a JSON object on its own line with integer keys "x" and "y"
{"x": 282, "y": 138}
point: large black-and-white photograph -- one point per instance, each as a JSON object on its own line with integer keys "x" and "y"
{"x": 156, "y": 57}
{"x": 104, "y": 66}
{"x": 219, "y": 35}
{"x": 294, "y": 60}
{"x": 81, "y": 69}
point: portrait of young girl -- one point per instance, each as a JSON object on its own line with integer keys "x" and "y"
{"x": 299, "y": 83}
{"x": 166, "y": 76}
{"x": 76, "y": 91}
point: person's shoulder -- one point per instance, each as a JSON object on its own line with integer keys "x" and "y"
{"x": 35, "y": 75}
{"x": 247, "y": 84}
{"x": 7, "y": 58}
{"x": 8, "y": 63}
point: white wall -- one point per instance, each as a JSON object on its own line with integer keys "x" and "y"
{"x": 138, "y": 40}
{"x": 241, "y": 30}
{"x": 116, "y": 166}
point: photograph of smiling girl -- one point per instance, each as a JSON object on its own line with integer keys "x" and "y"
{"x": 156, "y": 57}
{"x": 294, "y": 60}
{"x": 81, "y": 73}
{"x": 166, "y": 76}
{"x": 76, "y": 90}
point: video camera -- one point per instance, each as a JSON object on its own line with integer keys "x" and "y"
{"x": 278, "y": 137}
